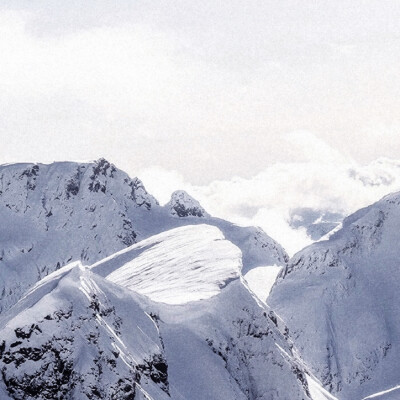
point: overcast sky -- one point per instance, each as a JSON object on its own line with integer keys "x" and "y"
{"x": 202, "y": 91}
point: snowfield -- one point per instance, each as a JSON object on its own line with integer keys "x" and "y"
{"x": 184, "y": 264}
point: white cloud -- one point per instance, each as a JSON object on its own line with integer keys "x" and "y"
{"x": 342, "y": 188}
{"x": 162, "y": 183}
{"x": 332, "y": 183}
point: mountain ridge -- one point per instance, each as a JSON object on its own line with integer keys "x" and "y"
{"x": 57, "y": 213}
{"x": 82, "y": 245}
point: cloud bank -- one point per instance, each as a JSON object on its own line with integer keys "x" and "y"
{"x": 324, "y": 180}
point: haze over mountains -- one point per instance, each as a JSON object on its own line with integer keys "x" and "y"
{"x": 105, "y": 294}
{"x": 297, "y": 200}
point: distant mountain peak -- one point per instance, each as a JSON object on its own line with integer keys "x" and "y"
{"x": 184, "y": 205}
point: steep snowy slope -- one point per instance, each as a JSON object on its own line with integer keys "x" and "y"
{"x": 54, "y": 214}
{"x": 76, "y": 336}
{"x": 340, "y": 299}
{"x": 261, "y": 280}
{"x": 76, "y": 333}
{"x": 227, "y": 347}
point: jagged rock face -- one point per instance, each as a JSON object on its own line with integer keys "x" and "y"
{"x": 54, "y": 214}
{"x": 340, "y": 300}
{"x": 183, "y": 205}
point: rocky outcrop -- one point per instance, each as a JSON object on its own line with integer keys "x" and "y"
{"x": 183, "y": 205}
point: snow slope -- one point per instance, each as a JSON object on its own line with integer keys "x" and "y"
{"x": 75, "y": 332}
{"x": 228, "y": 347}
{"x": 340, "y": 301}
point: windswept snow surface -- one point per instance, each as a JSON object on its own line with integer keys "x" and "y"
{"x": 184, "y": 264}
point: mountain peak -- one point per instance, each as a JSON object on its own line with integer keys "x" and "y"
{"x": 184, "y": 205}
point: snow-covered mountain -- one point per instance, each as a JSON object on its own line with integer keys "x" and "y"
{"x": 63, "y": 212}
{"x": 340, "y": 301}
{"x": 105, "y": 294}
{"x": 54, "y": 214}
{"x": 79, "y": 335}
{"x": 73, "y": 336}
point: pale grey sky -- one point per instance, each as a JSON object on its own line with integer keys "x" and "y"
{"x": 209, "y": 89}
